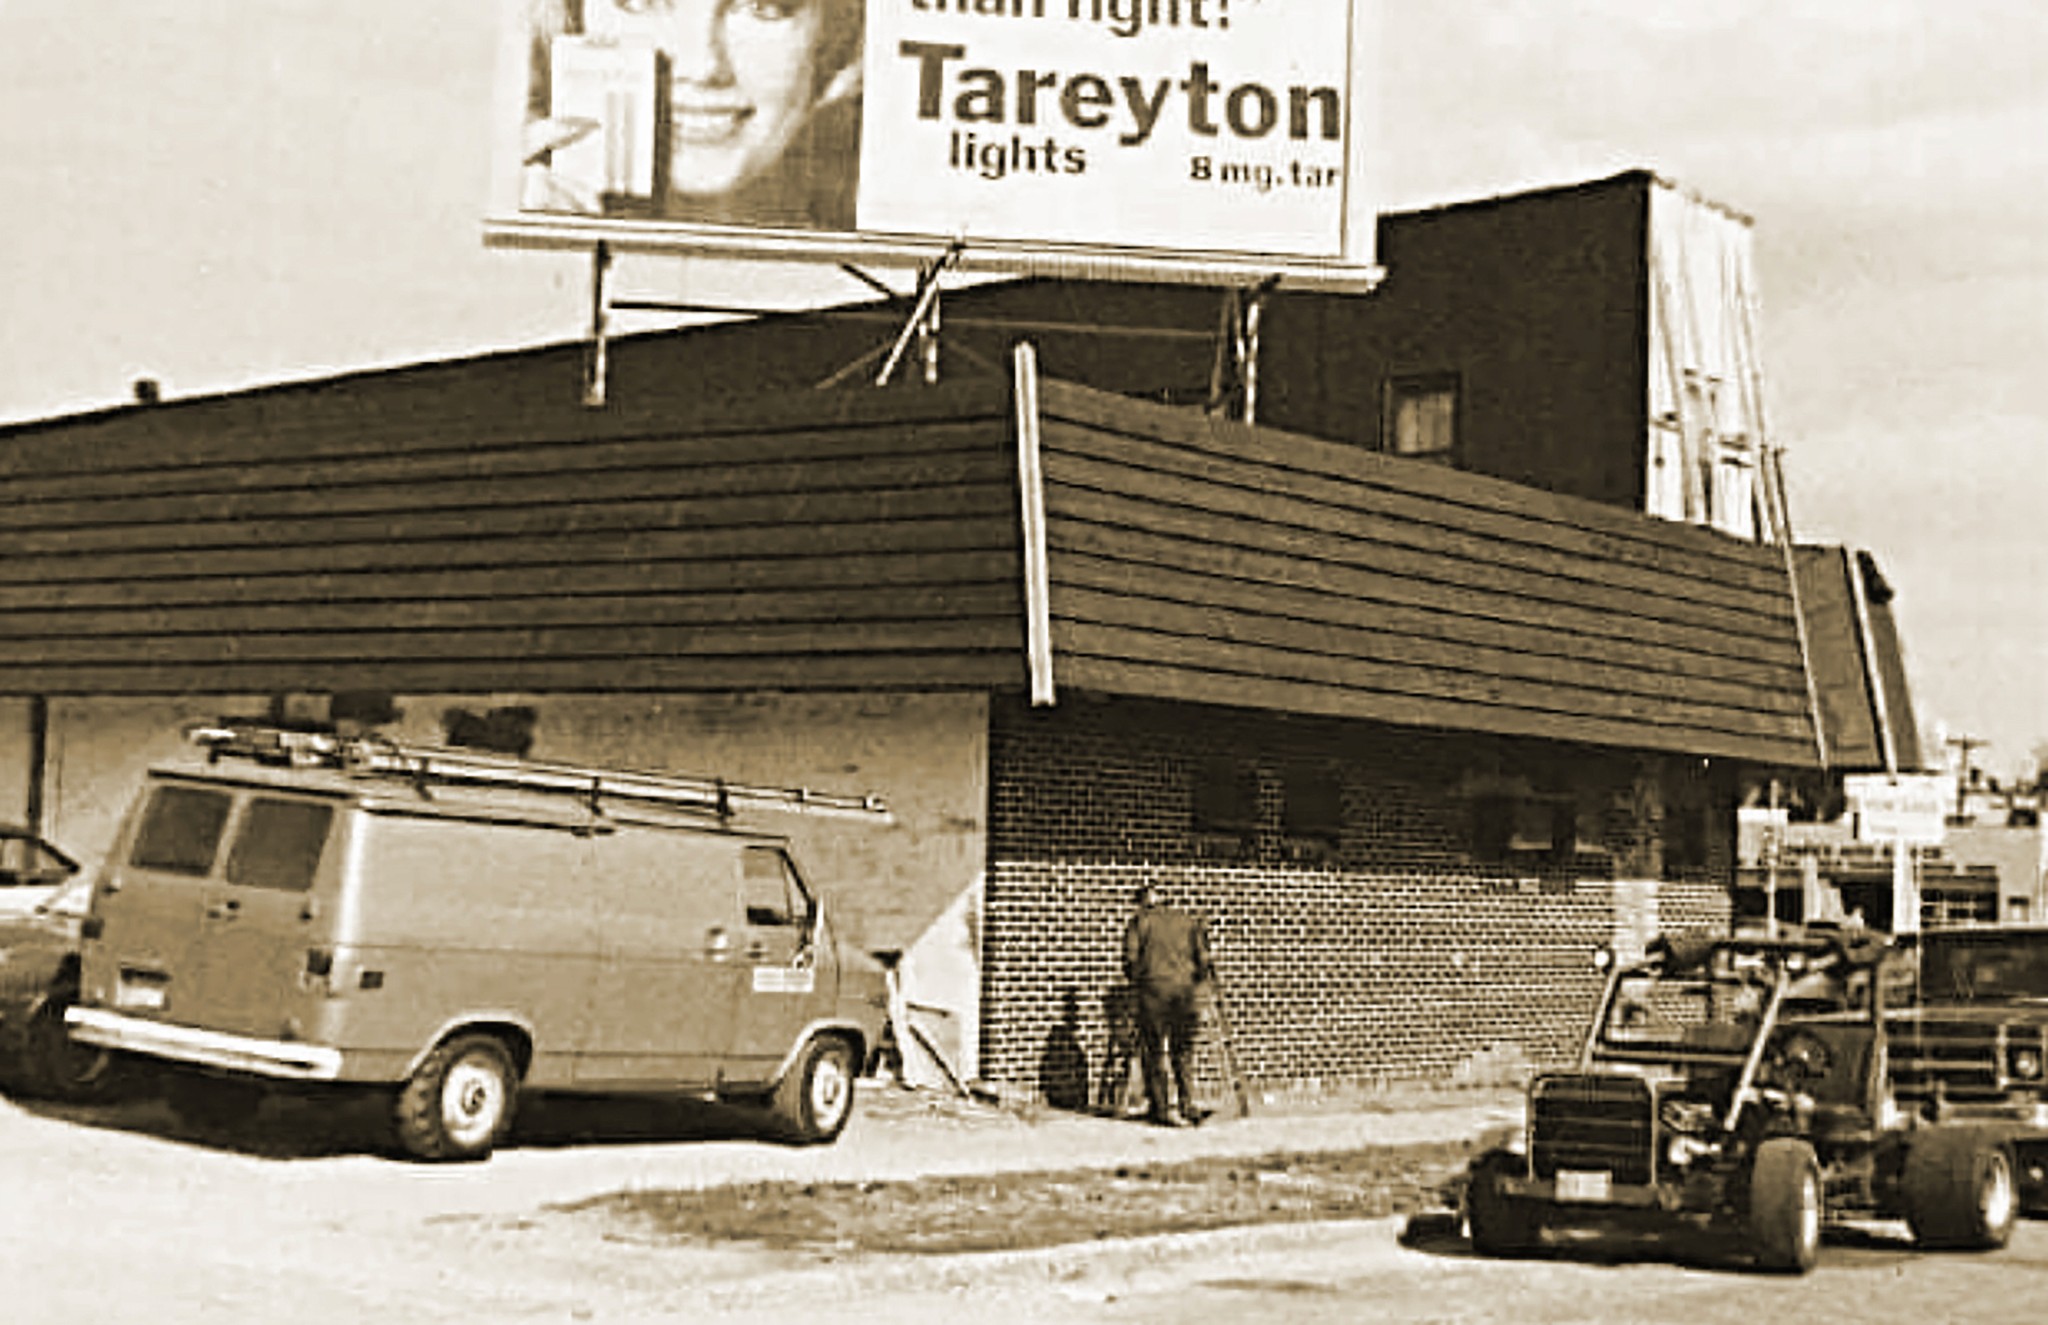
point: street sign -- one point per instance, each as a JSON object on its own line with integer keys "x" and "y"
{"x": 1908, "y": 807}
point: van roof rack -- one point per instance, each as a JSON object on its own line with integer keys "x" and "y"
{"x": 425, "y": 766}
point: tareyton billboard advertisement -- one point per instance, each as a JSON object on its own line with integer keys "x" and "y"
{"x": 1177, "y": 139}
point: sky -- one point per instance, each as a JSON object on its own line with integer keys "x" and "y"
{"x": 224, "y": 193}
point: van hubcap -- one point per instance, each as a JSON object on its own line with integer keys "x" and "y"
{"x": 829, "y": 1089}
{"x": 472, "y": 1100}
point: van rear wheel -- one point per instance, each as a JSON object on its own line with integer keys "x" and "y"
{"x": 813, "y": 1102}
{"x": 458, "y": 1105}
{"x": 58, "y": 1067}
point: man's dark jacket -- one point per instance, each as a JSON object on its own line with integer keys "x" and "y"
{"x": 1165, "y": 951}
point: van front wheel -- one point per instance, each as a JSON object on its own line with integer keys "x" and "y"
{"x": 458, "y": 1105}
{"x": 815, "y": 1099}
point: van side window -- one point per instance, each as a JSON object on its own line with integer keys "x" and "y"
{"x": 180, "y": 831}
{"x": 279, "y": 845}
{"x": 770, "y": 889}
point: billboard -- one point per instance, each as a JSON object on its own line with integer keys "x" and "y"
{"x": 1198, "y": 140}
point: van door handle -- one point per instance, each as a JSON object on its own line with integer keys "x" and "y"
{"x": 223, "y": 910}
{"x": 756, "y": 950}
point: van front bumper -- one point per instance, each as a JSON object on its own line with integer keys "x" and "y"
{"x": 187, "y": 1044}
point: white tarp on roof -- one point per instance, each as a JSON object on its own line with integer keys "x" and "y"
{"x": 1706, "y": 380}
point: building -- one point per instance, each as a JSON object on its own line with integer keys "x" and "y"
{"x": 1415, "y": 732}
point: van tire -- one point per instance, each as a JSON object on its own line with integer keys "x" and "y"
{"x": 458, "y": 1105}
{"x": 813, "y": 1102}
{"x": 57, "y": 1067}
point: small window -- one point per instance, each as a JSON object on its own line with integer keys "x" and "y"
{"x": 1422, "y": 417}
{"x": 1686, "y": 838}
{"x": 1523, "y": 827}
{"x": 181, "y": 831}
{"x": 1226, "y": 797}
{"x": 279, "y": 845}
{"x": 1313, "y": 803}
{"x": 771, "y": 892}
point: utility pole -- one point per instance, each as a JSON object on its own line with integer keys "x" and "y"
{"x": 1964, "y": 744}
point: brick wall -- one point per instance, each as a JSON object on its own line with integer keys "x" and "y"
{"x": 1384, "y": 953}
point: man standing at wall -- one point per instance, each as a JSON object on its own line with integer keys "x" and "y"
{"x": 1166, "y": 959}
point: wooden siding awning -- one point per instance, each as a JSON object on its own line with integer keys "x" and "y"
{"x": 1858, "y": 668}
{"x": 1203, "y": 560}
{"x": 312, "y": 541}
{"x": 459, "y": 528}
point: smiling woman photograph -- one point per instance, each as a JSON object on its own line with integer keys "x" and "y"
{"x": 720, "y": 111}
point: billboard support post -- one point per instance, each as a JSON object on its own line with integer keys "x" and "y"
{"x": 1234, "y": 374}
{"x": 597, "y": 370}
{"x": 923, "y": 322}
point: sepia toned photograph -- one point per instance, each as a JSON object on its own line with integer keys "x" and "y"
{"x": 1102, "y": 661}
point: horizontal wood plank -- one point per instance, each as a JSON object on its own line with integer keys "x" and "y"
{"x": 367, "y": 644}
{"x": 882, "y": 672}
{"x": 902, "y": 571}
{"x": 738, "y": 492}
{"x": 462, "y": 548}
{"x": 1123, "y": 676}
{"x": 1252, "y": 663}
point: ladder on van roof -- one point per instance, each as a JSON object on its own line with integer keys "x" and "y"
{"x": 425, "y": 766}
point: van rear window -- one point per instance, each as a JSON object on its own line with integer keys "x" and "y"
{"x": 279, "y": 845}
{"x": 180, "y": 831}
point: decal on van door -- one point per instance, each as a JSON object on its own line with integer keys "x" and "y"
{"x": 783, "y": 980}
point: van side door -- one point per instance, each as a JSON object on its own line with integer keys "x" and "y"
{"x": 787, "y": 980}
{"x": 663, "y": 990}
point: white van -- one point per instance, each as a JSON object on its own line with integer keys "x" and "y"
{"x": 457, "y": 927}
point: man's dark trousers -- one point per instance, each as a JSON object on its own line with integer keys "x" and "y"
{"x": 1166, "y": 1033}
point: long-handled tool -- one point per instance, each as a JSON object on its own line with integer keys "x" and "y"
{"x": 1227, "y": 1043}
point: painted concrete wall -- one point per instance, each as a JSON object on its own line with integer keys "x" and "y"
{"x": 15, "y": 756}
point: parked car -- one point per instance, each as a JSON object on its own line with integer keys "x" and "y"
{"x": 30, "y": 869}
{"x": 38, "y": 984}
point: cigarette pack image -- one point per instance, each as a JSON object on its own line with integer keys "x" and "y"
{"x": 602, "y": 108}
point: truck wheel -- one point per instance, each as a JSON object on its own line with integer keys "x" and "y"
{"x": 58, "y": 1067}
{"x": 458, "y": 1105}
{"x": 1959, "y": 1189}
{"x": 1500, "y": 1224}
{"x": 1785, "y": 1205}
{"x": 211, "y": 1103}
{"x": 813, "y": 1102}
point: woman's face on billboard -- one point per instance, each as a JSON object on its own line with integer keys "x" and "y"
{"x": 743, "y": 75}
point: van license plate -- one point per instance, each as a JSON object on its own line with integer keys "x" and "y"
{"x": 141, "y": 992}
{"x": 1573, "y": 1185}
